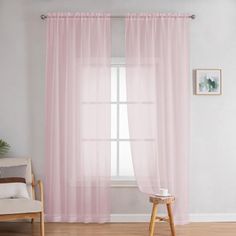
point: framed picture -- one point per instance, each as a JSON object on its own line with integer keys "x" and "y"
{"x": 208, "y": 82}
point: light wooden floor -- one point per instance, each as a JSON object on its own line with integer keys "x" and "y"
{"x": 134, "y": 229}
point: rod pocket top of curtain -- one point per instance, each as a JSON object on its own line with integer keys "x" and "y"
{"x": 168, "y": 15}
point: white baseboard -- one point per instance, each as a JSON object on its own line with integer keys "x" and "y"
{"x": 230, "y": 217}
{"x": 214, "y": 217}
{"x": 125, "y": 218}
{"x": 130, "y": 218}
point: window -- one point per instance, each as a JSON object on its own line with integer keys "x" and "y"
{"x": 121, "y": 161}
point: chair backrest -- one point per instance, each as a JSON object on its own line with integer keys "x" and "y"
{"x": 13, "y": 161}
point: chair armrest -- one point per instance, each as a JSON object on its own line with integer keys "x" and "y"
{"x": 40, "y": 184}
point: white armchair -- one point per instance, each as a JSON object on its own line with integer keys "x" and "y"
{"x": 20, "y": 208}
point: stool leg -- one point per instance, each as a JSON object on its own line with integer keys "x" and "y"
{"x": 153, "y": 218}
{"x": 150, "y": 224}
{"x": 171, "y": 220}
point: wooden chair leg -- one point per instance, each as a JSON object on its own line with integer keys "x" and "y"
{"x": 171, "y": 220}
{"x": 42, "y": 224}
{"x": 153, "y": 218}
{"x": 32, "y": 220}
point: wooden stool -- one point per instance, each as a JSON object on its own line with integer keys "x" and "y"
{"x": 155, "y": 200}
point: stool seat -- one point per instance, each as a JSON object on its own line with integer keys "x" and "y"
{"x": 161, "y": 199}
{"x": 156, "y": 200}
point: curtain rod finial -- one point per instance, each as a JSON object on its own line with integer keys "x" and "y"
{"x": 193, "y": 17}
{"x": 43, "y": 17}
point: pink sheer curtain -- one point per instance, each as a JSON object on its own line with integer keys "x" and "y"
{"x": 78, "y": 118}
{"x": 158, "y": 112}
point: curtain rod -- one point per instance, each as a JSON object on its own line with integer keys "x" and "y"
{"x": 44, "y": 17}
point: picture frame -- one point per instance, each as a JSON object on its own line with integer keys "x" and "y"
{"x": 208, "y": 82}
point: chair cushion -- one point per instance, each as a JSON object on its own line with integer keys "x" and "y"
{"x": 12, "y": 188}
{"x": 17, "y": 206}
{"x": 13, "y": 171}
{"x": 18, "y": 161}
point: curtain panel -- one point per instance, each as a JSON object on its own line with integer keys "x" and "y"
{"x": 158, "y": 94}
{"x": 78, "y": 117}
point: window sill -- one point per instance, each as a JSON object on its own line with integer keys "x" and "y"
{"x": 123, "y": 183}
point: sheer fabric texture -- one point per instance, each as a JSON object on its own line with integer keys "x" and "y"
{"x": 158, "y": 93}
{"x": 78, "y": 117}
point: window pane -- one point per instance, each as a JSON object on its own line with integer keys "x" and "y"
{"x": 124, "y": 128}
{"x": 113, "y": 121}
{"x": 122, "y": 81}
{"x": 113, "y": 84}
{"x": 125, "y": 160}
{"x": 113, "y": 159}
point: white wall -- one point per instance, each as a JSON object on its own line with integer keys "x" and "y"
{"x": 213, "y": 45}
